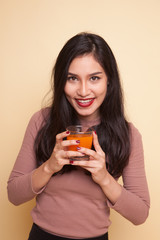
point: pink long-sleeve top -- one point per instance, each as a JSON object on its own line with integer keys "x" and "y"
{"x": 72, "y": 204}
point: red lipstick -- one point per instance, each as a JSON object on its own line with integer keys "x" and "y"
{"x": 85, "y": 102}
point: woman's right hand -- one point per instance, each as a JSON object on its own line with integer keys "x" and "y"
{"x": 60, "y": 156}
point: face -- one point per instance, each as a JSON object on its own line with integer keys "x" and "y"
{"x": 86, "y": 86}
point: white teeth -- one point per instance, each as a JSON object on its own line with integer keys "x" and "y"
{"x": 85, "y": 101}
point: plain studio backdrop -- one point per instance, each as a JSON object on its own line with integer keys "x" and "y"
{"x": 32, "y": 33}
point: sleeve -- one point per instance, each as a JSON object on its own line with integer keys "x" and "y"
{"x": 134, "y": 202}
{"x": 19, "y": 185}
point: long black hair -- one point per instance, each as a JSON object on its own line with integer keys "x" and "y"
{"x": 113, "y": 130}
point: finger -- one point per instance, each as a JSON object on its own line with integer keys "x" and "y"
{"x": 91, "y": 166}
{"x": 69, "y": 154}
{"x": 60, "y": 136}
{"x": 85, "y": 163}
{"x": 67, "y": 143}
{"x": 65, "y": 157}
{"x": 61, "y": 154}
{"x": 89, "y": 152}
{"x": 96, "y": 143}
{"x": 68, "y": 157}
{"x": 63, "y": 162}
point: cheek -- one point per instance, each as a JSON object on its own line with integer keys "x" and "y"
{"x": 101, "y": 90}
{"x": 69, "y": 91}
{"x": 105, "y": 90}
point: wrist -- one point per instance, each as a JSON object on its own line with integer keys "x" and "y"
{"x": 105, "y": 181}
{"x": 111, "y": 188}
{"x": 47, "y": 169}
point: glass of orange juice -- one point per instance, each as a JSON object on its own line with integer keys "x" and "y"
{"x": 84, "y": 135}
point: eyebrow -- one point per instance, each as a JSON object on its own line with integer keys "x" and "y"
{"x": 95, "y": 73}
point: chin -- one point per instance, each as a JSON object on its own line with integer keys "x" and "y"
{"x": 85, "y": 114}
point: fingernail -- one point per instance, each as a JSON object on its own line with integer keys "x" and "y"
{"x": 67, "y": 132}
{"x": 77, "y": 141}
{"x": 78, "y": 148}
{"x": 95, "y": 132}
{"x": 71, "y": 162}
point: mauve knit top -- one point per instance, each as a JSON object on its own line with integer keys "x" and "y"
{"x": 72, "y": 205}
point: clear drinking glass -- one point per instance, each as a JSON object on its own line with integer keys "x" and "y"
{"x": 84, "y": 135}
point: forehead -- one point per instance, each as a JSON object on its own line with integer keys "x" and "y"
{"x": 87, "y": 61}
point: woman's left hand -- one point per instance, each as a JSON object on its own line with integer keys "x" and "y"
{"x": 97, "y": 163}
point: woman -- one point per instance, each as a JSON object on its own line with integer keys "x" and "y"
{"x": 73, "y": 198}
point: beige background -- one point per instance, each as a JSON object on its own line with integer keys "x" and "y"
{"x": 32, "y": 33}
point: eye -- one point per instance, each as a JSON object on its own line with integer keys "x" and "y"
{"x": 94, "y": 78}
{"x": 72, "y": 78}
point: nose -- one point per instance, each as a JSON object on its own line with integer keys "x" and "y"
{"x": 83, "y": 89}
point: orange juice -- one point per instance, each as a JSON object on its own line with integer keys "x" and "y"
{"x": 85, "y": 141}
{"x": 84, "y": 135}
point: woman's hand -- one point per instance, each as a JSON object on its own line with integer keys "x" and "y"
{"x": 97, "y": 163}
{"x": 97, "y": 167}
{"x": 60, "y": 156}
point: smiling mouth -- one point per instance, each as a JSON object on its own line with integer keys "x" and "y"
{"x": 85, "y": 102}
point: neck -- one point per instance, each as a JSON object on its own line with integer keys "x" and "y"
{"x": 89, "y": 121}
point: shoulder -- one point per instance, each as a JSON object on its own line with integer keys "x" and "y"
{"x": 39, "y": 118}
{"x": 134, "y": 132}
{"x": 135, "y": 137}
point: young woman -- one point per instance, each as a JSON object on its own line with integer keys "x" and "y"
{"x": 73, "y": 198}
